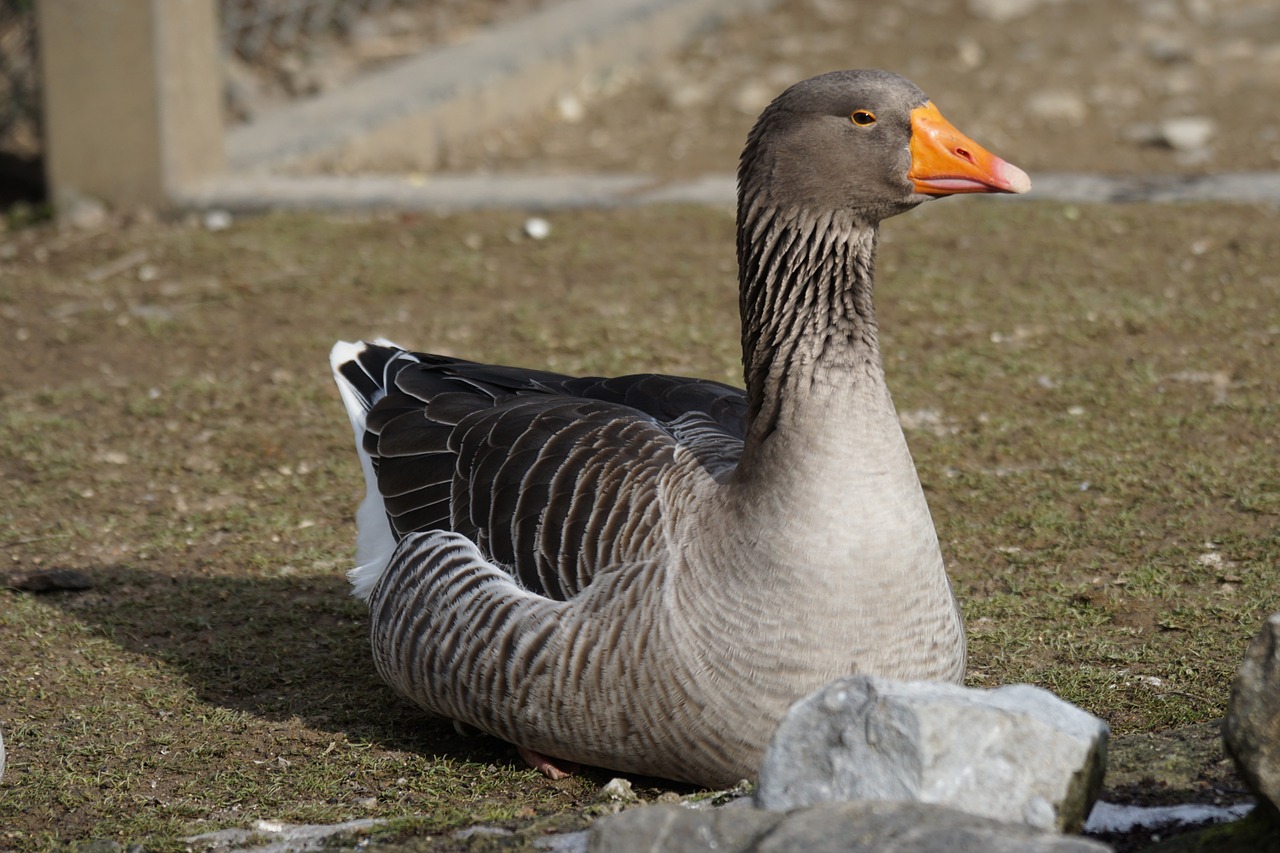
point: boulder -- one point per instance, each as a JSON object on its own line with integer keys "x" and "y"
{"x": 861, "y": 827}
{"x": 1252, "y": 727}
{"x": 1017, "y": 753}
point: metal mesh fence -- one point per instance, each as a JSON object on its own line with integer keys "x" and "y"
{"x": 251, "y": 26}
{"x": 254, "y": 33}
{"x": 19, "y": 80}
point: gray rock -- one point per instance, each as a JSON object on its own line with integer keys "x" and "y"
{"x": 1002, "y": 10}
{"x": 673, "y": 828}
{"x": 80, "y": 211}
{"x": 1058, "y": 105}
{"x": 1017, "y": 753}
{"x": 1252, "y": 727}
{"x": 1187, "y": 133}
{"x": 865, "y": 827}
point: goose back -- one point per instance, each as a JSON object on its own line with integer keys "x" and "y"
{"x": 552, "y": 476}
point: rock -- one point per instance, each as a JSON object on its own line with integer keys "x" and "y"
{"x": 865, "y": 827}
{"x": 1252, "y": 727}
{"x": 1001, "y": 11}
{"x": 217, "y": 220}
{"x": 619, "y": 790}
{"x": 1057, "y": 105}
{"x": 1168, "y": 50}
{"x": 537, "y": 228}
{"x": 752, "y": 97}
{"x": 1187, "y": 133}
{"x": 673, "y": 829}
{"x": 569, "y": 108}
{"x": 80, "y": 211}
{"x": 1016, "y": 753}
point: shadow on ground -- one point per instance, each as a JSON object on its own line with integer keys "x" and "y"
{"x": 284, "y": 649}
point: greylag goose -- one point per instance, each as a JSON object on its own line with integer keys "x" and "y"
{"x": 642, "y": 573}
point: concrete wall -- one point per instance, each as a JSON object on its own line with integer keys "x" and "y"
{"x": 132, "y": 97}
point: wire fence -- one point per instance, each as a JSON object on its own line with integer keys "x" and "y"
{"x": 249, "y": 27}
{"x": 19, "y": 80}
{"x": 253, "y": 31}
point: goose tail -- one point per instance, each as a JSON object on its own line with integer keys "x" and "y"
{"x": 359, "y": 370}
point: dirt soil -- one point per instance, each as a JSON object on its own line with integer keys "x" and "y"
{"x": 1090, "y": 394}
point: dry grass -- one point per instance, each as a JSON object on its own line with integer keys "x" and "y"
{"x": 1092, "y": 395}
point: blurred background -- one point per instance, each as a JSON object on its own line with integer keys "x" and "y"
{"x": 1128, "y": 87}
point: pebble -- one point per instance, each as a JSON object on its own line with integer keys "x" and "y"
{"x": 570, "y": 109}
{"x": 619, "y": 790}
{"x": 969, "y": 53}
{"x": 1058, "y": 105}
{"x": 1187, "y": 133}
{"x": 217, "y": 220}
{"x": 753, "y": 97}
{"x": 82, "y": 212}
{"x": 537, "y": 228}
{"x": 1168, "y": 50}
{"x": 1001, "y": 11}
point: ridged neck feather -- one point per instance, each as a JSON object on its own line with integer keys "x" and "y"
{"x": 806, "y": 302}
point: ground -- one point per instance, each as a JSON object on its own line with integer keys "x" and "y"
{"x": 1072, "y": 85}
{"x": 1090, "y": 394}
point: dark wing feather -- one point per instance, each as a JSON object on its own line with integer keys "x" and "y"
{"x": 552, "y": 476}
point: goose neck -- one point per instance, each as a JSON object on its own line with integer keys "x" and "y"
{"x": 808, "y": 319}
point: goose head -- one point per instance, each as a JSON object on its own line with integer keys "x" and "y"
{"x": 867, "y": 142}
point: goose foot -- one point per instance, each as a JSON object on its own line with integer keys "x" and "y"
{"x": 552, "y": 768}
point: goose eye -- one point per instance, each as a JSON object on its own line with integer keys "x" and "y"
{"x": 863, "y": 118}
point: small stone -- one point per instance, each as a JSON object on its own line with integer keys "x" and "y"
{"x": 483, "y": 832}
{"x": 1016, "y": 753}
{"x": 1001, "y": 11}
{"x": 1168, "y": 50}
{"x": 969, "y": 53}
{"x": 1251, "y": 730}
{"x": 53, "y": 580}
{"x": 849, "y": 827}
{"x": 676, "y": 829}
{"x": 100, "y": 845}
{"x": 217, "y": 220}
{"x": 81, "y": 211}
{"x": 1187, "y": 133}
{"x": 570, "y": 109}
{"x": 686, "y": 94}
{"x": 753, "y": 97}
{"x": 537, "y": 228}
{"x": 619, "y": 791}
{"x": 1059, "y": 106}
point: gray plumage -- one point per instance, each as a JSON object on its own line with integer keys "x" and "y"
{"x": 644, "y": 572}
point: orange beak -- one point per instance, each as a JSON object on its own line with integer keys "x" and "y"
{"x": 944, "y": 161}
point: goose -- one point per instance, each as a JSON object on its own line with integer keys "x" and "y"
{"x": 642, "y": 573}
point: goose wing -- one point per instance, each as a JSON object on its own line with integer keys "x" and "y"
{"x": 551, "y": 476}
